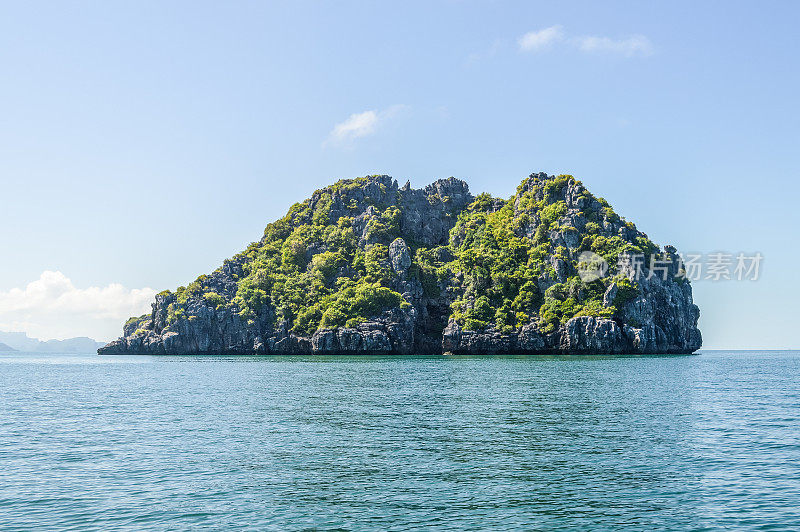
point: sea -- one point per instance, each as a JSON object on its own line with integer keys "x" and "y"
{"x": 699, "y": 442}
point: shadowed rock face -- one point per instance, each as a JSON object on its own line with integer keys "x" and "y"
{"x": 383, "y": 269}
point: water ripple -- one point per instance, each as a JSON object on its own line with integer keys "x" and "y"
{"x": 361, "y": 443}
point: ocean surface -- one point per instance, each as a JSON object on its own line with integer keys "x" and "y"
{"x": 400, "y": 443}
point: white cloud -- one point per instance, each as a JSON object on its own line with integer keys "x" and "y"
{"x": 359, "y": 125}
{"x": 540, "y": 40}
{"x": 52, "y": 307}
{"x": 534, "y": 41}
{"x": 634, "y": 45}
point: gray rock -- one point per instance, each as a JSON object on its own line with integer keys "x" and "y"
{"x": 611, "y": 293}
{"x": 399, "y": 255}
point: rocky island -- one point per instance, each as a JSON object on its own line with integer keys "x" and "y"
{"x": 366, "y": 266}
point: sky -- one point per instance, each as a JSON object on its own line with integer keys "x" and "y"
{"x": 142, "y": 143}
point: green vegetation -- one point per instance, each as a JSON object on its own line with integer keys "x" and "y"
{"x": 507, "y": 263}
{"x": 573, "y": 298}
{"x": 505, "y": 271}
{"x": 627, "y": 290}
{"x": 214, "y": 299}
{"x": 136, "y": 322}
{"x": 315, "y": 274}
{"x": 136, "y": 319}
{"x": 500, "y": 268}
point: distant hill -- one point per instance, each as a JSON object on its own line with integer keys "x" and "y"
{"x": 5, "y": 348}
{"x": 19, "y": 341}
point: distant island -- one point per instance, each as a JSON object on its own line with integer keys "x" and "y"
{"x": 19, "y": 341}
{"x": 6, "y": 348}
{"x": 365, "y": 266}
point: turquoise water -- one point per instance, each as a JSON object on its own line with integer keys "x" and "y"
{"x": 359, "y": 443}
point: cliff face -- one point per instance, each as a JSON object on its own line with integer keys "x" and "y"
{"x": 365, "y": 266}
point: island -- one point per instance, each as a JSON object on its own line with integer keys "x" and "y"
{"x": 366, "y": 266}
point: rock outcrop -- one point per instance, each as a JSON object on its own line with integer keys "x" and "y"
{"x": 367, "y": 267}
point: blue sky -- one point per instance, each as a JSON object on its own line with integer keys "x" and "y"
{"x": 141, "y": 143}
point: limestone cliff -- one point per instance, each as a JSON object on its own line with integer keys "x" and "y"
{"x": 365, "y": 266}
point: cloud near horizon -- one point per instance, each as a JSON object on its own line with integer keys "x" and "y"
{"x": 53, "y": 307}
{"x": 359, "y": 125}
{"x": 543, "y": 39}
